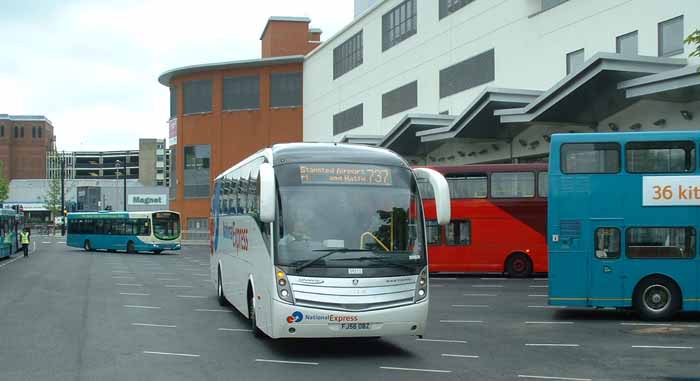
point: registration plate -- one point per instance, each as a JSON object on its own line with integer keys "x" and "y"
{"x": 355, "y": 326}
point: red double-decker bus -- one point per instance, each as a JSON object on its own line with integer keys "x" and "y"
{"x": 499, "y": 220}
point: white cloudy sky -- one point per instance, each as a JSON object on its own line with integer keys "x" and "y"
{"x": 91, "y": 66}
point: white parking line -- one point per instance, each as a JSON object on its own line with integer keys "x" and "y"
{"x": 168, "y": 279}
{"x": 192, "y": 296}
{"x": 538, "y": 295}
{"x": 551, "y": 345}
{"x": 133, "y": 294}
{"x": 659, "y": 347}
{"x": 45, "y": 242}
{"x": 540, "y": 278}
{"x": 145, "y": 307}
{"x": 287, "y": 362}
{"x": 545, "y": 306}
{"x": 176, "y": 286}
{"x": 206, "y": 310}
{"x": 12, "y": 260}
{"x": 436, "y": 285}
{"x": 498, "y": 279}
{"x": 470, "y": 305}
{"x": 415, "y": 369}
{"x": 460, "y": 356}
{"x": 122, "y": 277}
{"x": 153, "y": 325}
{"x": 554, "y": 378}
{"x": 164, "y": 274}
{"x": 201, "y": 274}
{"x": 234, "y": 330}
{"x": 480, "y": 294}
{"x": 130, "y": 284}
{"x": 122, "y": 272}
{"x": 488, "y": 285}
{"x": 433, "y": 278}
{"x": 462, "y": 321}
{"x": 170, "y": 354}
{"x": 538, "y": 286}
{"x": 648, "y": 324}
{"x": 549, "y": 322}
{"x": 443, "y": 341}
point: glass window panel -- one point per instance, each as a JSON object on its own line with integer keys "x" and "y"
{"x": 468, "y": 186}
{"x": 574, "y": 61}
{"x": 660, "y": 157}
{"x": 661, "y": 242}
{"x": 590, "y": 158}
{"x": 425, "y": 189}
{"x": 671, "y": 37}
{"x": 607, "y": 243}
{"x": 543, "y": 184}
{"x": 628, "y": 44}
{"x": 432, "y": 232}
{"x": 458, "y": 233}
{"x": 512, "y": 184}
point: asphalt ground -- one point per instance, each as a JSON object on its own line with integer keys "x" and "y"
{"x": 66, "y": 314}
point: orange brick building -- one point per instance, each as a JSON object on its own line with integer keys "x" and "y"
{"x": 25, "y": 141}
{"x": 222, "y": 112}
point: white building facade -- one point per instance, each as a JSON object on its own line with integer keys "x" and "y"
{"x": 431, "y": 78}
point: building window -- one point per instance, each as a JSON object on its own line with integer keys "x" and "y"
{"x": 473, "y": 186}
{"x": 33, "y": 132}
{"x": 242, "y": 93}
{"x": 607, "y": 243}
{"x": 512, "y": 185}
{"x": 16, "y": 132}
{"x": 197, "y": 178}
{"x": 549, "y": 4}
{"x": 2, "y": 131}
{"x": 671, "y": 38}
{"x": 285, "y": 89}
{"x": 348, "y": 119}
{"x": 660, "y": 157}
{"x": 467, "y": 74}
{"x": 590, "y": 158}
{"x": 448, "y": 7}
{"x": 173, "y": 102}
{"x": 347, "y": 55}
{"x": 574, "y": 61}
{"x": 458, "y": 233}
{"x": 432, "y": 232}
{"x": 197, "y": 96}
{"x": 656, "y": 242}
{"x": 400, "y": 99}
{"x": 40, "y": 132}
{"x": 21, "y": 132}
{"x": 399, "y": 24}
{"x": 628, "y": 44}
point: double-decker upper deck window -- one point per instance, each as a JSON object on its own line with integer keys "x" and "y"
{"x": 660, "y": 157}
{"x": 467, "y": 186}
{"x": 657, "y": 242}
{"x": 425, "y": 189}
{"x": 543, "y": 184}
{"x": 512, "y": 184}
{"x": 590, "y": 158}
{"x": 399, "y": 24}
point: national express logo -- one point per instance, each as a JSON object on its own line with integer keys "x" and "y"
{"x": 295, "y": 317}
{"x": 239, "y": 236}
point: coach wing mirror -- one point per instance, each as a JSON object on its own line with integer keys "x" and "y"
{"x": 441, "y": 190}
{"x": 267, "y": 193}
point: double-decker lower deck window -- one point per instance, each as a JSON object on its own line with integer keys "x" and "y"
{"x": 607, "y": 243}
{"x": 656, "y": 242}
{"x": 512, "y": 184}
{"x": 458, "y": 233}
{"x": 660, "y": 157}
{"x": 590, "y": 158}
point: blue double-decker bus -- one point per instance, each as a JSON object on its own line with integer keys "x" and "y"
{"x": 623, "y": 221}
{"x": 129, "y": 231}
{"x": 10, "y": 226}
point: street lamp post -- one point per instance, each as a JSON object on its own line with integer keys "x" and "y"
{"x": 118, "y": 164}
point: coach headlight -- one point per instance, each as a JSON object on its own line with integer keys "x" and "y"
{"x": 284, "y": 290}
{"x": 421, "y": 286}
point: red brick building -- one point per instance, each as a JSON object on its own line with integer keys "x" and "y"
{"x": 25, "y": 141}
{"x": 221, "y": 113}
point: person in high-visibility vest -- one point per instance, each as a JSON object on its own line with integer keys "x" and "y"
{"x": 24, "y": 240}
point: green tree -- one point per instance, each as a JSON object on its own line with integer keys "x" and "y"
{"x": 4, "y": 184}
{"x": 52, "y": 199}
{"x": 694, "y": 38}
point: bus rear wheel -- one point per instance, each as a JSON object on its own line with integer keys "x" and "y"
{"x": 657, "y": 298}
{"x": 87, "y": 245}
{"x": 130, "y": 248}
{"x": 519, "y": 265}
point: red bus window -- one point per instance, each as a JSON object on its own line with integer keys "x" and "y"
{"x": 459, "y": 233}
{"x": 432, "y": 232}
